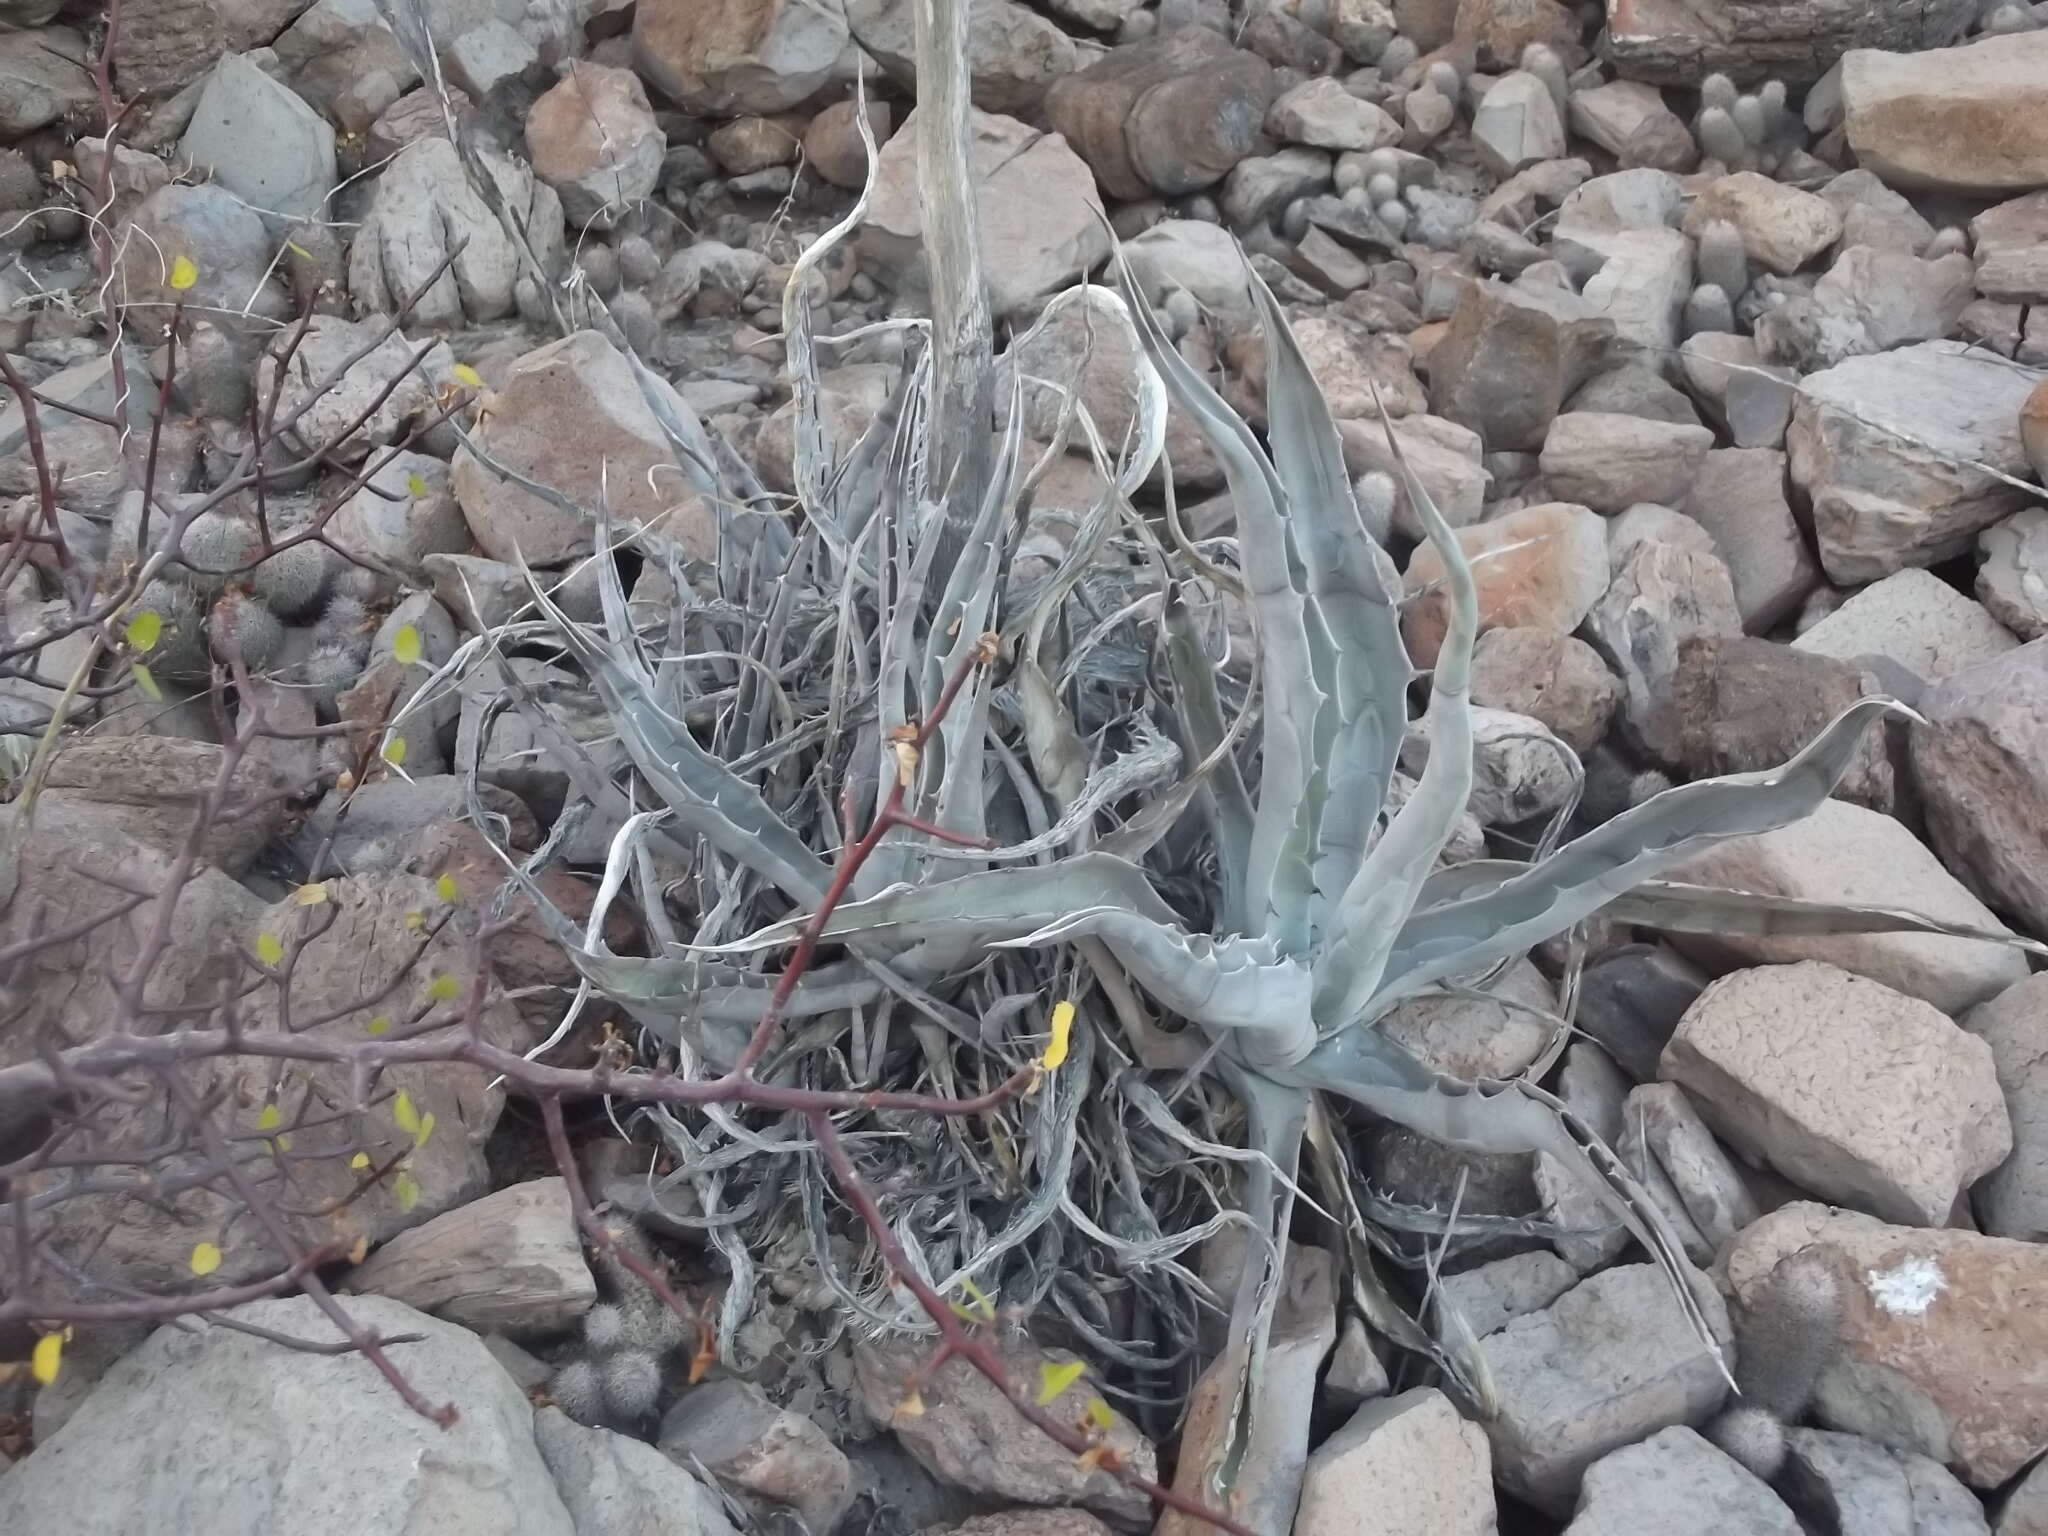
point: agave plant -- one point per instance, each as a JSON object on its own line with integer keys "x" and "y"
{"x": 758, "y": 713}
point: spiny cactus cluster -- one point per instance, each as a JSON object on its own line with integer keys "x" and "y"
{"x": 1747, "y": 132}
{"x": 1785, "y": 1339}
{"x": 1722, "y": 264}
{"x": 614, "y": 1378}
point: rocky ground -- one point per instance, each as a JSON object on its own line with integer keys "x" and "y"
{"x": 1718, "y": 329}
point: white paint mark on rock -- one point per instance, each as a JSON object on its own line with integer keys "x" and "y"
{"x": 1908, "y": 1289}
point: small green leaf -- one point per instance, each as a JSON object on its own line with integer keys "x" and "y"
{"x": 1055, "y": 1377}
{"x": 145, "y": 629}
{"x": 145, "y": 683}
{"x": 184, "y": 273}
{"x": 444, "y": 989}
{"x": 205, "y": 1258}
{"x": 270, "y": 1118}
{"x": 394, "y": 751}
{"x": 360, "y": 1161}
{"x": 416, "y": 485}
{"x": 405, "y": 645}
{"x": 426, "y": 1129}
{"x": 405, "y": 1114}
{"x": 445, "y": 888}
{"x": 47, "y": 1358}
{"x": 298, "y": 250}
{"x": 1101, "y": 1415}
{"x": 467, "y": 376}
{"x": 269, "y": 949}
{"x": 381, "y": 1024}
{"x": 407, "y": 1189}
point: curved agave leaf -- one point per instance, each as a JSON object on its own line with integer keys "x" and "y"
{"x": 1363, "y": 666}
{"x": 1277, "y": 878}
{"x": 1388, "y": 884}
{"x": 1582, "y": 877}
{"x": 1198, "y": 713}
{"x": 1679, "y": 908}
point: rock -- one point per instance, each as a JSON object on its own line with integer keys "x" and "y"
{"x": 849, "y": 398}
{"x": 1662, "y": 595}
{"x": 1846, "y": 853}
{"x": 1727, "y": 374}
{"x": 1493, "y": 1295}
{"x": 1551, "y": 676}
{"x": 1260, "y": 188}
{"x": 256, "y": 138}
{"x": 1848, "y": 1088}
{"x": 1169, "y": 115}
{"x": 405, "y": 511}
{"x": 1013, "y": 53}
{"x": 1510, "y": 358}
{"x": 1040, "y": 219}
{"x": 1662, "y": 1124}
{"x": 415, "y": 115}
{"x": 511, "y": 1261}
{"x": 344, "y": 60}
{"x": 1739, "y": 705}
{"x": 1630, "y": 1000}
{"x": 1981, "y": 764}
{"x": 489, "y": 59}
{"x": 423, "y": 208}
{"x": 1676, "y": 1484}
{"x": 1678, "y": 44}
{"x": 1916, "y": 619}
{"x": 1026, "y": 1522}
{"x": 43, "y": 77}
{"x": 738, "y": 56}
{"x": 1473, "y": 1037}
{"x": 137, "y": 1453}
{"x": 1849, "y": 1485}
{"x": 1520, "y": 771}
{"x": 1883, "y": 445}
{"x": 1323, "y": 114}
{"x": 1517, "y": 123}
{"x": 832, "y": 144}
{"x": 1971, "y": 119}
{"x": 593, "y": 138}
{"x": 1204, "y": 259}
{"x": 1551, "y": 570}
{"x": 971, "y": 1437}
{"x": 1444, "y": 456}
{"x": 614, "y": 1485}
{"x": 1648, "y": 523}
{"x": 155, "y": 797}
{"x": 376, "y": 396}
{"x": 1328, "y": 265}
{"x": 2025, "y": 1511}
{"x": 1939, "y": 1350}
{"x": 1420, "y": 1468}
{"x": 2012, "y": 578}
{"x": 1610, "y": 462}
{"x": 1869, "y": 301}
{"x": 1588, "y": 1237}
{"x": 1874, "y": 215}
{"x": 2013, "y": 1201}
{"x": 1348, "y": 361}
{"x": 223, "y": 239}
{"x": 1738, "y": 496}
{"x": 165, "y": 45}
{"x": 1782, "y": 227}
{"x": 1630, "y": 121}
{"x": 766, "y": 1455}
{"x": 571, "y": 415}
{"x": 1355, "y": 1372}
{"x": 2034, "y": 427}
{"x": 1642, "y": 286}
{"x": 1612, "y": 1360}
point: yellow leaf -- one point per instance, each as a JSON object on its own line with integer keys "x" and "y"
{"x": 145, "y": 629}
{"x": 1101, "y": 1415}
{"x": 298, "y": 250}
{"x": 426, "y": 1129}
{"x": 379, "y": 1024}
{"x": 205, "y": 1258}
{"x": 405, "y": 1114}
{"x": 912, "y": 1407}
{"x": 444, "y": 989}
{"x": 310, "y": 895}
{"x": 984, "y": 1308}
{"x": 1062, "y": 1033}
{"x": 445, "y": 888}
{"x": 281, "y": 1144}
{"x": 416, "y": 487}
{"x": 468, "y": 377}
{"x": 145, "y": 681}
{"x": 405, "y": 645}
{"x": 1054, "y": 1377}
{"x": 415, "y": 920}
{"x": 270, "y": 1119}
{"x": 48, "y": 1358}
{"x": 269, "y": 949}
{"x": 360, "y": 1161}
{"x": 184, "y": 273}
{"x": 394, "y": 751}
{"x": 407, "y": 1189}
{"x": 361, "y": 1251}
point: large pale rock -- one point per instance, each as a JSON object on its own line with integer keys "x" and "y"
{"x": 971, "y": 1437}
{"x": 1322, "y": 113}
{"x": 1738, "y": 496}
{"x": 350, "y": 386}
{"x": 1676, "y": 42}
{"x": 1676, "y": 1484}
{"x": 1782, "y": 227}
{"x": 1491, "y": 1296}
{"x": 1854, "y": 1091}
{"x": 423, "y": 209}
{"x": 1662, "y": 595}
{"x": 1610, "y": 462}
{"x": 44, "y": 76}
{"x": 1169, "y": 115}
{"x": 154, "y": 797}
{"x": 165, "y": 45}
{"x": 2013, "y": 1201}
{"x": 211, "y": 1431}
{"x": 1041, "y": 222}
{"x": 1629, "y": 120}
{"x": 1972, "y": 119}
{"x": 1644, "y": 279}
{"x": 1914, "y": 618}
{"x": 509, "y": 1263}
{"x": 1510, "y": 359}
{"x": 1013, "y": 53}
{"x": 1496, "y": 1034}
{"x": 1611, "y": 1361}
{"x": 1870, "y": 300}
{"x": 1884, "y": 445}
{"x": 261, "y": 141}
{"x": 1846, "y": 853}
{"x": 1981, "y": 764}
{"x": 1412, "y": 1461}
{"x": 1517, "y": 123}
{"x": 1845, "y": 1483}
{"x": 729, "y": 57}
{"x": 592, "y": 137}
{"x": 572, "y": 417}
{"x": 1543, "y": 567}
{"x": 224, "y": 240}
{"x": 1553, "y": 677}
{"x": 2012, "y": 576}
{"x": 1943, "y": 1346}
{"x": 772, "y": 1459}
{"x": 614, "y": 1485}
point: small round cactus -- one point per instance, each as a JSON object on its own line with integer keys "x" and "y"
{"x": 1719, "y": 138}
{"x": 1717, "y": 90}
{"x": 600, "y": 268}
{"x": 1384, "y": 161}
{"x": 604, "y": 1326}
{"x": 633, "y": 312}
{"x": 639, "y": 263}
{"x": 1394, "y": 214}
{"x": 242, "y": 629}
{"x": 1723, "y": 260}
{"x": 1398, "y": 57}
{"x": 631, "y": 1383}
{"x": 180, "y": 651}
{"x": 1748, "y": 115}
{"x": 1947, "y": 241}
{"x": 216, "y": 545}
{"x": 1442, "y": 77}
{"x": 1384, "y": 187}
{"x": 1182, "y": 311}
{"x": 1294, "y": 219}
{"x": 1351, "y": 172}
{"x": 292, "y": 581}
{"x": 1709, "y": 309}
{"x": 1541, "y": 60}
{"x": 578, "y": 1393}
{"x": 1789, "y": 1332}
{"x": 1375, "y": 493}
{"x": 1752, "y": 1438}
